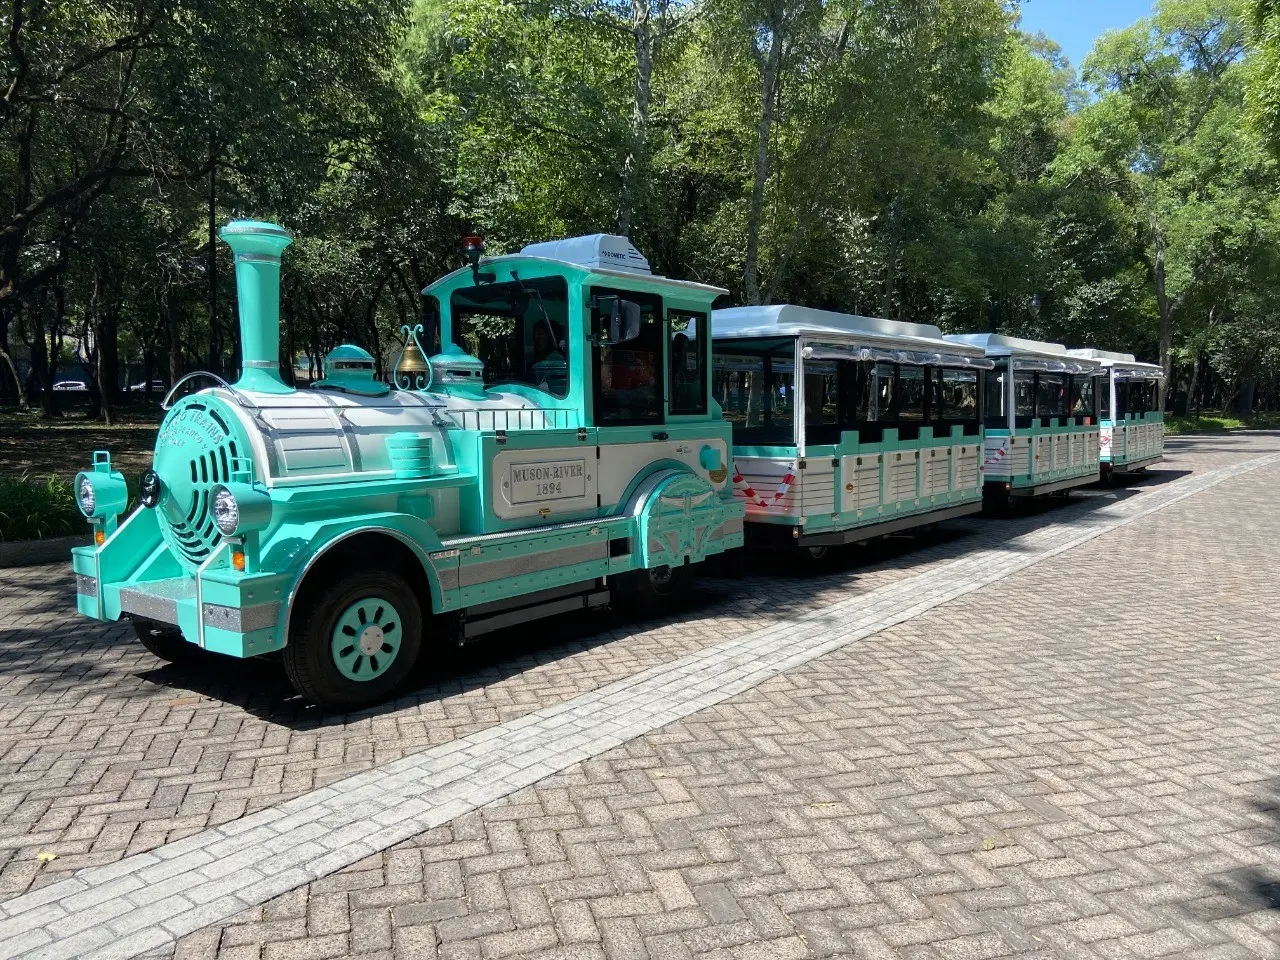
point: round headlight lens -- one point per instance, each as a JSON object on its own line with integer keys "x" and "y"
{"x": 226, "y": 512}
{"x": 149, "y": 489}
{"x": 88, "y": 499}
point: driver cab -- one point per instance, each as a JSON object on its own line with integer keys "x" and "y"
{"x": 584, "y": 328}
{"x": 584, "y": 321}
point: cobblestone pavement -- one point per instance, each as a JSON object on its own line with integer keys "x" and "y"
{"x": 952, "y": 787}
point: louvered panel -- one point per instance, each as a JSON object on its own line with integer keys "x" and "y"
{"x": 866, "y": 483}
{"x": 966, "y": 472}
{"x": 1043, "y": 460}
{"x": 818, "y": 491}
{"x": 902, "y": 480}
{"x": 1020, "y": 458}
{"x": 937, "y": 477}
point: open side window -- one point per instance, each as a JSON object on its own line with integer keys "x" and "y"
{"x": 1051, "y": 397}
{"x": 753, "y": 383}
{"x": 1084, "y": 399}
{"x": 954, "y": 399}
{"x": 1024, "y": 398}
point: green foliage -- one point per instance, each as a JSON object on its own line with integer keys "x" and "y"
{"x": 918, "y": 159}
{"x": 38, "y": 510}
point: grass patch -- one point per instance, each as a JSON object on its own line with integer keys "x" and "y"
{"x": 1212, "y": 423}
{"x": 38, "y": 509}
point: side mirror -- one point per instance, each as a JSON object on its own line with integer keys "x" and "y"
{"x": 624, "y": 318}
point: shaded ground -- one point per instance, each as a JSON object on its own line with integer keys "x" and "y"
{"x": 37, "y": 446}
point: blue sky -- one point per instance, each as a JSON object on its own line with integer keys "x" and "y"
{"x": 1075, "y": 24}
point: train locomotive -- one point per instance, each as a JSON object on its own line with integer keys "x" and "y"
{"x": 574, "y": 457}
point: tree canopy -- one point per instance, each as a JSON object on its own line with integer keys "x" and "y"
{"x": 917, "y": 159}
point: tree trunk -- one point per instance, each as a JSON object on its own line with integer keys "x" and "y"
{"x": 49, "y": 402}
{"x": 173, "y": 335}
{"x": 105, "y": 335}
{"x": 1192, "y": 402}
{"x": 12, "y": 380}
{"x": 891, "y": 260}
{"x": 641, "y": 30}
{"x": 1244, "y": 405}
{"x": 768, "y": 96}
{"x": 1165, "y": 306}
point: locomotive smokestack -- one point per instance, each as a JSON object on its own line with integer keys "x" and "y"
{"x": 257, "y": 247}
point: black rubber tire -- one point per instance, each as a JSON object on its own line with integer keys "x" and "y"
{"x": 165, "y": 641}
{"x": 308, "y": 657}
{"x": 653, "y": 590}
{"x": 818, "y": 559}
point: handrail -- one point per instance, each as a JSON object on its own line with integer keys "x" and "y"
{"x": 240, "y": 398}
{"x": 514, "y": 418}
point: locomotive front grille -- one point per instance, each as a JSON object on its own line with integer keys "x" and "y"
{"x": 195, "y": 451}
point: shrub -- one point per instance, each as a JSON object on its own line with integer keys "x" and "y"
{"x": 35, "y": 510}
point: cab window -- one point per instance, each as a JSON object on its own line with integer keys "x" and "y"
{"x": 689, "y": 336}
{"x": 628, "y": 373}
{"x": 519, "y": 330}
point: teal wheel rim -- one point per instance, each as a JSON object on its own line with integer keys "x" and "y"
{"x": 366, "y": 639}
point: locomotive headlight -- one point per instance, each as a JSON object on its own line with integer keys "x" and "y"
{"x": 101, "y": 493}
{"x": 239, "y": 508}
{"x": 88, "y": 499}
{"x": 226, "y": 512}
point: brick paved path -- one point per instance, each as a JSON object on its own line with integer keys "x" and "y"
{"x": 953, "y": 783}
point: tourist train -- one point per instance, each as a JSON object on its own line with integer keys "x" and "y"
{"x": 588, "y": 433}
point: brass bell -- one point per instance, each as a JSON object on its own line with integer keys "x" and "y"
{"x": 412, "y": 361}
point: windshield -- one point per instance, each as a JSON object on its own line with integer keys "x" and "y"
{"x": 520, "y": 331}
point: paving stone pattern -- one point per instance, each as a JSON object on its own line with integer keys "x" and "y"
{"x": 672, "y": 691}
{"x": 105, "y": 752}
{"x": 1014, "y": 773}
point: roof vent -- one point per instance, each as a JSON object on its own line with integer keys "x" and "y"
{"x": 600, "y": 251}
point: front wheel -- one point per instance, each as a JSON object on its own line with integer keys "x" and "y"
{"x": 354, "y": 640}
{"x": 654, "y": 589}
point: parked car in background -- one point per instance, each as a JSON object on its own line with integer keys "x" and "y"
{"x": 157, "y": 386}
{"x": 71, "y": 386}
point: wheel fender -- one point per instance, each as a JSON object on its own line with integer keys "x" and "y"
{"x": 411, "y": 531}
{"x": 676, "y": 515}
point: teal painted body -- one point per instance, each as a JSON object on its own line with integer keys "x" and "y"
{"x": 854, "y": 484}
{"x": 1137, "y": 438}
{"x": 491, "y": 491}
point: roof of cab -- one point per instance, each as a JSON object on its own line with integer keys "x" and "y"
{"x": 598, "y": 254}
{"x": 789, "y": 320}
{"x": 998, "y": 345}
